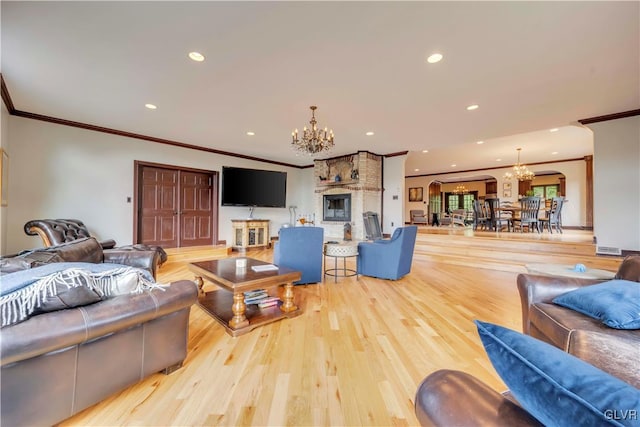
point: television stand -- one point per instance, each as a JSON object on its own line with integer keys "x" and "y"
{"x": 250, "y": 234}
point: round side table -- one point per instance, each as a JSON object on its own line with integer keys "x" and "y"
{"x": 342, "y": 250}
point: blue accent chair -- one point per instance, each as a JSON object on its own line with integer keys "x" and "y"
{"x": 388, "y": 259}
{"x": 300, "y": 248}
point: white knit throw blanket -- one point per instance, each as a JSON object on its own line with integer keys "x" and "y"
{"x": 21, "y": 303}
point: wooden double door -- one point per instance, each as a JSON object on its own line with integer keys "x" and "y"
{"x": 176, "y": 207}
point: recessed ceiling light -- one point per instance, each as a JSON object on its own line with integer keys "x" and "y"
{"x": 150, "y": 106}
{"x": 416, "y": 170}
{"x": 454, "y": 165}
{"x": 554, "y": 152}
{"x": 554, "y": 130}
{"x": 196, "y": 56}
{"x": 433, "y": 58}
{"x": 480, "y": 142}
{"x": 473, "y": 107}
{"x": 370, "y": 133}
{"x": 498, "y": 160}
{"x": 425, "y": 151}
{"x": 251, "y": 133}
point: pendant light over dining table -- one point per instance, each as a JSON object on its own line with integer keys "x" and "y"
{"x": 520, "y": 171}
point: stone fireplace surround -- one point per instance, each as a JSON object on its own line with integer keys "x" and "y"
{"x": 360, "y": 175}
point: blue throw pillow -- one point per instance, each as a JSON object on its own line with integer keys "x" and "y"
{"x": 555, "y": 387}
{"x": 616, "y": 303}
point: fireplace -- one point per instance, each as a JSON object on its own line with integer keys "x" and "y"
{"x": 336, "y": 207}
{"x": 337, "y": 203}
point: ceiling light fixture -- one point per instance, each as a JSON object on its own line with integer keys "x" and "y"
{"x": 313, "y": 140}
{"x": 498, "y": 160}
{"x": 196, "y": 56}
{"x": 454, "y": 165}
{"x": 433, "y": 58}
{"x": 460, "y": 189}
{"x": 480, "y": 142}
{"x": 554, "y": 130}
{"x": 520, "y": 171}
{"x": 370, "y": 133}
{"x": 473, "y": 107}
{"x": 251, "y": 133}
{"x": 150, "y": 106}
{"x": 554, "y": 152}
{"x": 425, "y": 151}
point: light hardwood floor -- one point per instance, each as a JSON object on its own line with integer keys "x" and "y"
{"x": 354, "y": 357}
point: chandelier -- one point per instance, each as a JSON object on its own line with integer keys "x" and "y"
{"x": 460, "y": 189}
{"x": 520, "y": 171}
{"x": 313, "y": 140}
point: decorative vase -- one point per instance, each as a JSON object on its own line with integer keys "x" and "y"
{"x": 338, "y": 179}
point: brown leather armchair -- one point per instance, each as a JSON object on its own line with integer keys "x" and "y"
{"x": 448, "y": 398}
{"x": 58, "y": 231}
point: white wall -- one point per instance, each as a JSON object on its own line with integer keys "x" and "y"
{"x": 64, "y": 172}
{"x": 573, "y": 212}
{"x": 394, "y": 185}
{"x": 4, "y": 143}
{"x": 616, "y": 183}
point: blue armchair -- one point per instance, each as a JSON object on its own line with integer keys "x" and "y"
{"x": 388, "y": 259}
{"x": 300, "y": 248}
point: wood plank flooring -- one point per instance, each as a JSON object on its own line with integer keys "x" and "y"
{"x": 354, "y": 357}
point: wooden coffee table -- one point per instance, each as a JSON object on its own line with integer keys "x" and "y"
{"x": 226, "y": 304}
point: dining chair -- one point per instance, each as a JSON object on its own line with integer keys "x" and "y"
{"x": 480, "y": 215}
{"x": 498, "y": 219}
{"x": 528, "y": 214}
{"x": 554, "y": 217}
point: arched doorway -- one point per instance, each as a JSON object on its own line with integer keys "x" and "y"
{"x": 449, "y": 194}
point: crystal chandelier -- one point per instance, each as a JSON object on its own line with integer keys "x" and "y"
{"x": 460, "y": 189}
{"x": 313, "y": 140}
{"x": 520, "y": 171}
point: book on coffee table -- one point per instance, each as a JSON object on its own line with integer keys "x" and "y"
{"x": 266, "y": 267}
{"x": 256, "y": 299}
{"x": 269, "y": 302}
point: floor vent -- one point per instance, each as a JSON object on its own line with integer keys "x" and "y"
{"x": 605, "y": 250}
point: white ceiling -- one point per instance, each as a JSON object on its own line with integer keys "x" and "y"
{"x": 530, "y": 66}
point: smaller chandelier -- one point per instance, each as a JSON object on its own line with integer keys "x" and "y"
{"x": 520, "y": 171}
{"x": 313, "y": 140}
{"x": 460, "y": 189}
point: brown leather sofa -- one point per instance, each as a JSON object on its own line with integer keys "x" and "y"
{"x": 454, "y": 398}
{"x": 81, "y": 250}
{"x": 580, "y": 335}
{"x": 55, "y": 364}
{"x": 58, "y": 231}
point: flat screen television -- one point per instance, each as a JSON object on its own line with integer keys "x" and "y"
{"x": 253, "y": 187}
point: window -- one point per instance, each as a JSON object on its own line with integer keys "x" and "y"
{"x": 460, "y": 201}
{"x": 546, "y": 191}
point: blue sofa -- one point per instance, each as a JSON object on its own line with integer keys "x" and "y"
{"x": 300, "y": 248}
{"x": 388, "y": 259}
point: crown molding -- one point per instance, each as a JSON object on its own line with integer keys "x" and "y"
{"x": 614, "y": 116}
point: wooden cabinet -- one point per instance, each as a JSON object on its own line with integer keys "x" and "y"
{"x": 250, "y": 233}
{"x": 491, "y": 187}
